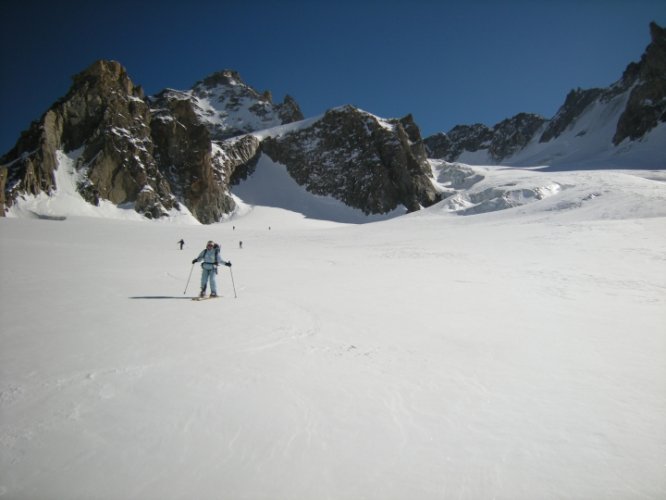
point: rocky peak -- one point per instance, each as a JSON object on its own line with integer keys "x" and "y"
{"x": 574, "y": 105}
{"x": 106, "y": 75}
{"x": 503, "y": 140}
{"x": 289, "y": 111}
{"x": 225, "y": 77}
{"x": 655, "y": 54}
{"x": 460, "y": 138}
{"x": 105, "y": 119}
{"x": 150, "y": 153}
{"x": 186, "y": 154}
{"x": 366, "y": 162}
{"x": 645, "y": 83}
{"x": 646, "y": 107}
{"x": 513, "y": 134}
{"x": 229, "y": 107}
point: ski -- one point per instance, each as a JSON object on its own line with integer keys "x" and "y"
{"x": 198, "y": 299}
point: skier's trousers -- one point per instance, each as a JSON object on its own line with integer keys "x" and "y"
{"x": 206, "y": 276}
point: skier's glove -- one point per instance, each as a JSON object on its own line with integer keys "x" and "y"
{"x": 228, "y": 264}
{"x": 194, "y": 261}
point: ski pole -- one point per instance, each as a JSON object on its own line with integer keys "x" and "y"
{"x": 188, "y": 279}
{"x": 232, "y": 282}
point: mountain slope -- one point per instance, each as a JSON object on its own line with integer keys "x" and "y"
{"x": 105, "y": 119}
{"x": 183, "y": 151}
{"x": 367, "y": 162}
{"x": 229, "y": 107}
{"x": 200, "y": 142}
{"x": 623, "y": 125}
{"x": 154, "y": 154}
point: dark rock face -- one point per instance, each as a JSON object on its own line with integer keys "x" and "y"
{"x": 184, "y": 152}
{"x": 513, "y": 134}
{"x": 440, "y": 146}
{"x": 105, "y": 117}
{"x": 289, "y": 111}
{"x": 574, "y": 105}
{"x": 367, "y": 163}
{"x": 459, "y": 139}
{"x": 647, "y": 102}
{"x": 242, "y": 156}
{"x": 30, "y": 164}
{"x": 503, "y": 140}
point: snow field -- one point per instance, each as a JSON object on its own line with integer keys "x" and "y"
{"x": 515, "y": 354}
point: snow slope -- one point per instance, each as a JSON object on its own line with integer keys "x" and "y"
{"x": 272, "y": 186}
{"x": 513, "y": 354}
{"x": 588, "y": 143}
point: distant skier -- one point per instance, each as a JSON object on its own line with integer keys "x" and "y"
{"x": 181, "y": 243}
{"x": 211, "y": 259}
{"x": 240, "y": 245}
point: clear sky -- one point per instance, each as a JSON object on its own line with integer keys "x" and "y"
{"x": 445, "y": 62}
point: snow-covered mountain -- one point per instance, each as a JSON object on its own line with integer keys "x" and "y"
{"x": 367, "y": 162}
{"x": 155, "y": 154}
{"x": 182, "y": 150}
{"x": 185, "y": 151}
{"x": 229, "y": 107}
{"x": 623, "y": 125}
{"x": 504, "y": 341}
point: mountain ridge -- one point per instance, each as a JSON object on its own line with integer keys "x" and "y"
{"x": 185, "y": 150}
{"x": 642, "y": 86}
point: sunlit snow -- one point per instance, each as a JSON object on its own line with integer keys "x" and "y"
{"x": 514, "y": 354}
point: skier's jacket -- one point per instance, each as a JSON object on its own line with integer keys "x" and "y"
{"x": 211, "y": 258}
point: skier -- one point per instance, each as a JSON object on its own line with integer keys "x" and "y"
{"x": 181, "y": 243}
{"x": 211, "y": 259}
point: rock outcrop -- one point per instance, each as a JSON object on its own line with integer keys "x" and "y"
{"x": 501, "y": 141}
{"x": 364, "y": 161}
{"x": 574, "y": 105}
{"x": 229, "y": 107}
{"x": 105, "y": 116}
{"x": 185, "y": 153}
{"x": 647, "y": 102}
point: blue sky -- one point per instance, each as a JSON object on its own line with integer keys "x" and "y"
{"x": 445, "y": 62}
